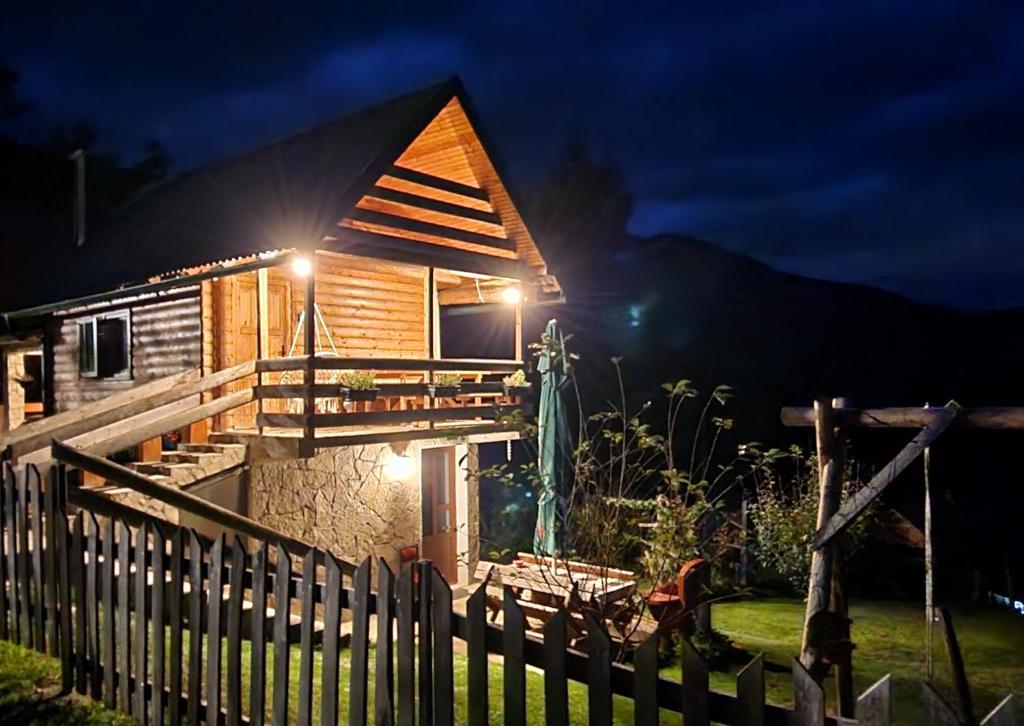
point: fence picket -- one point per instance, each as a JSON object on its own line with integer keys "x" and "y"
{"x": 6, "y": 605}
{"x": 92, "y": 595}
{"x": 306, "y": 615}
{"x": 556, "y": 687}
{"x": 384, "y": 704}
{"x": 236, "y": 594}
{"x": 51, "y": 548}
{"x": 282, "y": 609}
{"x": 11, "y": 545}
{"x": 645, "y": 688}
{"x": 175, "y": 596}
{"x": 599, "y": 674}
{"x": 358, "y": 676}
{"x": 35, "y": 522}
{"x": 425, "y": 570}
{"x": 695, "y": 687}
{"x": 124, "y": 621}
{"x": 24, "y": 576}
{"x": 109, "y": 599}
{"x": 477, "y": 706}
{"x": 258, "y": 636}
{"x": 214, "y": 612}
{"x": 141, "y": 627}
{"x": 808, "y": 698}
{"x": 158, "y": 619}
{"x": 750, "y": 693}
{"x": 874, "y": 706}
{"x": 195, "y": 625}
{"x": 77, "y": 572}
{"x": 63, "y": 541}
{"x": 514, "y": 645}
{"x": 444, "y": 677}
{"x": 331, "y": 652}
{"x": 406, "y": 648}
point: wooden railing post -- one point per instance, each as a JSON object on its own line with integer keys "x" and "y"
{"x": 306, "y": 445}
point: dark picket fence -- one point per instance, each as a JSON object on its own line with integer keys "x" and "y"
{"x": 157, "y": 621}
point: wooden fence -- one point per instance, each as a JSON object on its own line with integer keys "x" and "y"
{"x": 158, "y": 622}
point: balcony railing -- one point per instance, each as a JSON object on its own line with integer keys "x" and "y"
{"x": 317, "y": 404}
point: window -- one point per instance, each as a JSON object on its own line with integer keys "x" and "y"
{"x": 104, "y": 346}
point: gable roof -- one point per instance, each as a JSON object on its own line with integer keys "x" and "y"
{"x": 285, "y": 195}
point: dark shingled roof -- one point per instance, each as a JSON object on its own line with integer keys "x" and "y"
{"x": 282, "y": 195}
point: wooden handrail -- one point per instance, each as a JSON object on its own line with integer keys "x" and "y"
{"x": 482, "y": 365}
{"x": 120, "y": 407}
{"x": 126, "y": 477}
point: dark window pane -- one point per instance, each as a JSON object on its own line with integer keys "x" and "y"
{"x": 112, "y": 345}
{"x": 86, "y": 348}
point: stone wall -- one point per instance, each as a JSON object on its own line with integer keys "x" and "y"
{"x": 340, "y": 500}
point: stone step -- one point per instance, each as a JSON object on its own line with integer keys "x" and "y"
{"x": 172, "y": 470}
{"x": 190, "y": 457}
{"x": 211, "y": 448}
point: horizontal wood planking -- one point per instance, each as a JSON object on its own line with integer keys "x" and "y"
{"x": 430, "y": 191}
{"x": 388, "y": 228}
{"x": 505, "y": 432}
{"x": 437, "y": 213}
{"x": 435, "y": 205}
{"x": 445, "y": 232}
{"x": 166, "y": 339}
{"x": 333, "y": 390}
{"x": 383, "y": 418}
{"x": 404, "y": 170}
{"x": 468, "y": 365}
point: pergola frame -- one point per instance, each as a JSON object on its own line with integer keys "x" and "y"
{"x": 832, "y": 421}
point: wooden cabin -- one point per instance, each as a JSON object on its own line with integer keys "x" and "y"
{"x": 182, "y": 346}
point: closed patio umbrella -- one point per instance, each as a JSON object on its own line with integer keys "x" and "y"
{"x": 553, "y": 450}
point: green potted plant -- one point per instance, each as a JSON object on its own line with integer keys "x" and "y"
{"x": 444, "y": 385}
{"x": 516, "y": 384}
{"x": 359, "y": 386}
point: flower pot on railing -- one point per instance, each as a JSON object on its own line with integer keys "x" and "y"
{"x": 360, "y": 394}
{"x": 438, "y": 390}
{"x": 522, "y": 389}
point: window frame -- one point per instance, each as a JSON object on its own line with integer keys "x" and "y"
{"x": 93, "y": 373}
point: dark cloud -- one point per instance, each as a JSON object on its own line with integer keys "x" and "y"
{"x": 878, "y": 142}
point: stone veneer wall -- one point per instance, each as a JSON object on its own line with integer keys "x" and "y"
{"x": 340, "y": 500}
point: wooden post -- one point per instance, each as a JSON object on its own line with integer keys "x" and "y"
{"x": 846, "y": 698}
{"x": 433, "y": 332}
{"x": 929, "y": 583}
{"x": 965, "y": 702}
{"x": 830, "y": 473}
{"x": 306, "y": 446}
{"x": 519, "y": 331}
{"x": 262, "y": 330}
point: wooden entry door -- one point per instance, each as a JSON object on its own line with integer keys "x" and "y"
{"x": 238, "y": 332}
{"x": 437, "y": 482}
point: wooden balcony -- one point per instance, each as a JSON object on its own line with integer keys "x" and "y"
{"x": 302, "y": 397}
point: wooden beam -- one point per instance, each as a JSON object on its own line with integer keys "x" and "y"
{"x": 434, "y": 205}
{"x": 429, "y": 180}
{"x": 390, "y": 437}
{"x": 965, "y": 703}
{"x": 35, "y": 435}
{"x": 856, "y": 504}
{"x": 989, "y": 417}
{"x": 308, "y": 371}
{"x": 435, "y": 230}
{"x": 384, "y": 418}
{"x": 331, "y": 390}
{"x": 384, "y": 247}
{"x": 129, "y": 433}
{"x": 467, "y": 365}
{"x": 830, "y": 488}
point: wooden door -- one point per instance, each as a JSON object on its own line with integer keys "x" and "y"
{"x": 437, "y": 482}
{"x": 246, "y": 335}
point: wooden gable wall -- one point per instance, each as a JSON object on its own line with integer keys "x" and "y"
{"x": 444, "y": 191}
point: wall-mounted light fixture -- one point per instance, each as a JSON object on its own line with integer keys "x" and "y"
{"x": 398, "y": 467}
{"x": 511, "y": 296}
{"x": 302, "y": 266}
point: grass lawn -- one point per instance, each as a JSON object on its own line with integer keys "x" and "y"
{"x": 889, "y": 638}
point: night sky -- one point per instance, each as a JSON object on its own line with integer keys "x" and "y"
{"x": 870, "y": 142}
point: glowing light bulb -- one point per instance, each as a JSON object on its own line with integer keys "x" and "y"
{"x": 302, "y": 266}
{"x": 398, "y": 467}
{"x": 511, "y": 296}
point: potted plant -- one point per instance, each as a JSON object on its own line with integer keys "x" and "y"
{"x": 359, "y": 386}
{"x": 516, "y": 384}
{"x": 444, "y": 385}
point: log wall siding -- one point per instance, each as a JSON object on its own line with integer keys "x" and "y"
{"x": 371, "y": 309}
{"x": 165, "y": 339}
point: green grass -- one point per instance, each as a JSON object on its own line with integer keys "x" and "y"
{"x": 889, "y": 638}
{"x": 29, "y": 686}
{"x": 888, "y": 635}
